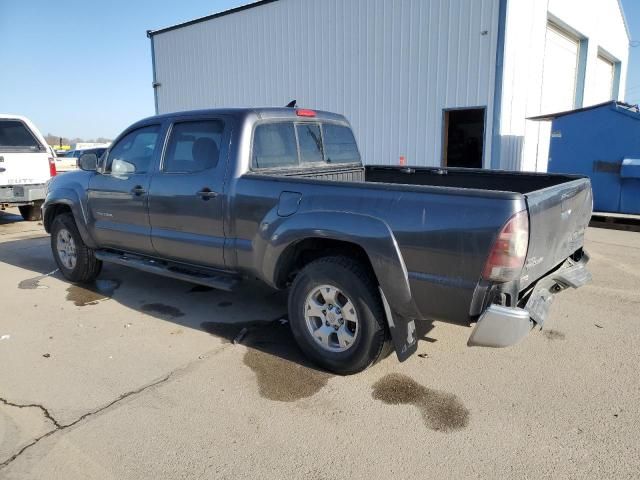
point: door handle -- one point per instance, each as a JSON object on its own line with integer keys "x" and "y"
{"x": 138, "y": 190}
{"x": 206, "y": 193}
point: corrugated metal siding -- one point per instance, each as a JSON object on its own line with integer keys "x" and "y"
{"x": 523, "y": 143}
{"x": 390, "y": 66}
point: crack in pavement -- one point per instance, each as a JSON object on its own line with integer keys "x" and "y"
{"x": 33, "y": 405}
{"x": 60, "y": 427}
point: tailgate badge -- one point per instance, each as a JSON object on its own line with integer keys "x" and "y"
{"x": 532, "y": 262}
{"x": 566, "y": 213}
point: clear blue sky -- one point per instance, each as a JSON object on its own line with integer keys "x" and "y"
{"x": 82, "y": 68}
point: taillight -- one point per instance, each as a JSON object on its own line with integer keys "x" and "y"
{"x": 52, "y": 167}
{"x": 509, "y": 251}
{"x": 305, "y": 113}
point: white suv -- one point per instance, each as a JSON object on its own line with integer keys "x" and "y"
{"x": 26, "y": 165}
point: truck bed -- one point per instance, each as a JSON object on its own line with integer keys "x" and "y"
{"x": 494, "y": 180}
{"x": 559, "y": 205}
{"x": 478, "y": 179}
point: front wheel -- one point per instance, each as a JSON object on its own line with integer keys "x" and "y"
{"x": 336, "y": 315}
{"x": 76, "y": 261}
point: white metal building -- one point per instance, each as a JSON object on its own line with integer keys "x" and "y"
{"x": 438, "y": 82}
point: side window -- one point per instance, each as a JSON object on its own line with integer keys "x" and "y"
{"x": 194, "y": 146}
{"x": 274, "y": 145}
{"x": 339, "y": 144}
{"x": 310, "y": 141}
{"x": 134, "y": 152}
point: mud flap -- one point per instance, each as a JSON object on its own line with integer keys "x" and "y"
{"x": 403, "y": 332}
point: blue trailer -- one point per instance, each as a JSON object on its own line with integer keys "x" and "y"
{"x": 603, "y": 142}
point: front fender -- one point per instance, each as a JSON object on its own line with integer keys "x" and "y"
{"x": 70, "y": 198}
{"x": 380, "y": 245}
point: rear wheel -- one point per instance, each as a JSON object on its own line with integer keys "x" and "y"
{"x": 336, "y": 315}
{"x": 31, "y": 213}
{"x": 76, "y": 261}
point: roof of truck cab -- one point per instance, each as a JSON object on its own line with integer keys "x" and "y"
{"x": 261, "y": 112}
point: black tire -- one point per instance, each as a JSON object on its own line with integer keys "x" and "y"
{"x": 31, "y": 213}
{"x": 87, "y": 266}
{"x": 360, "y": 287}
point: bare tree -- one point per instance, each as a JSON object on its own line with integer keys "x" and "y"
{"x": 55, "y": 140}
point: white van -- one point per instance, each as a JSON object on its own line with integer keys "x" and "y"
{"x": 26, "y": 165}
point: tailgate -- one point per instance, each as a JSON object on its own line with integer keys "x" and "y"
{"x": 558, "y": 218}
{"x": 21, "y": 168}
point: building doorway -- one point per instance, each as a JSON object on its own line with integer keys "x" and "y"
{"x": 463, "y": 137}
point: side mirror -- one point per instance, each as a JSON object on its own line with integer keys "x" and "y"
{"x": 88, "y": 162}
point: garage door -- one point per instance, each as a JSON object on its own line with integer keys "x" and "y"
{"x": 603, "y": 81}
{"x": 558, "y": 85}
{"x": 560, "y": 71}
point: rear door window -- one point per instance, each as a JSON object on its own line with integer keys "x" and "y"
{"x": 15, "y": 135}
{"x": 339, "y": 144}
{"x": 274, "y": 146}
{"x": 194, "y": 146}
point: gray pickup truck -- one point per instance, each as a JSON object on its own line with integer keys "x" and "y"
{"x": 281, "y": 194}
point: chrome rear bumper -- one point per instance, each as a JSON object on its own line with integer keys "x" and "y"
{"x": 501, "y": 326}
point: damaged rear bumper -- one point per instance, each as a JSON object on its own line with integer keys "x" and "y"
{"x": 500, "y": 326}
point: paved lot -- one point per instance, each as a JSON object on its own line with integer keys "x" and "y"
{"x": 139, "y": 378}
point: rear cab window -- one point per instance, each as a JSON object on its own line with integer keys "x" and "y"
{"x": 274, "y": 146}
{"x": 339, "y": 144}
{"x": 287, "y": 144}
{"x": 310, "y": 143}
{"x": 15, "y": 136}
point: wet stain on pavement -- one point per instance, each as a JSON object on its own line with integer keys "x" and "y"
{"x": 554, "y": 335}
{"x": 282, "y": 372}
{"x": 34, "y": 283}
{"x": 225, "y": 304}
{"x": 162, "y": 310}
{"x": 200, "y": 289}
{"x": 284, "y": 380}
{"x": 440, "y": 411}
{"x": 92, "y": 294}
